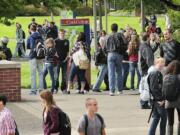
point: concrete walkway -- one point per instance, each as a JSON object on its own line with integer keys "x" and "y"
{"x": 121, "y": 113}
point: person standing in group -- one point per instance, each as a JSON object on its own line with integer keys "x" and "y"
{"x": 35, "y": 63}
{"x": 133, "y": 59}
{"x": 102, "y": 62}
{"x": 91, "y": 123}
{"x": 155, "y": 82}
{"x": 145, "y": 59}
{"x": 20, "y": 41}
{"x": 62, "y": 48}
{"x": 173, "y": 74}
{"x": 7, "y": 123}
{"x": 52, "y": 31}
{"x": 114, "y": 48}
{"x": 33, "y": 22}
{"x": 75, "y": 68}
{"x": 50, "y": 114}
{"x": 49, "y": 63}
{"x": 170, "y": 49}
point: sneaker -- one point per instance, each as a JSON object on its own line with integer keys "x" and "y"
{"x": 97, "y": 90}
{"x": 66, "y": 92}
{"x": 82, "y": 92}
{"x": 146, "y": 107}
{"x": 111, "y": 93}
{"x": 132, "y": 89}
{"x": 77, "y": 91}
{"x": 119, "y": 92}
{"x": 85, "y": 91}
{"x": 55, "y": 91}
{"x": 32, "y": 93}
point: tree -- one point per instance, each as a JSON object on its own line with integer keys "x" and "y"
{"x": 10, "y": 8}
{"x": 174, "y": 5}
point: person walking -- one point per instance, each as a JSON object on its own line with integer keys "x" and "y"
{"x": 75, "y": 67}
{"x": 7, "y": 123}
{"x": 91, "y": 123}
{"x": 20, "y": 41}
{"x": 102, "y": 63}
{"x": 173, "y": 71}
{"x": 50, "y": 114}
{"x": 155, "y": 82}
{"x": 114, "y": 48}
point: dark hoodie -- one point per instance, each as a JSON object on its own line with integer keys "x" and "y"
{"x": 34, "y": 38}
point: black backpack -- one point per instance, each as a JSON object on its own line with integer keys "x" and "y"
{"x": 40, "y": 51}
{"x": 100, "y": 57}
{"x": 171, "y": 88}
{"x": 65, "y": 124}
{"x": 86, "y": 122}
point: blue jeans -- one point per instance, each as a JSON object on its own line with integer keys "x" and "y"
{"x": 133, "y": 68}
{"x": 49, "y": 67}
{"x": 102, "y": 72}
{"x": 115, "y": 71}
{"x": 36, "y": 64}
{"x": 63, "y": 67}
{"x": 76, "y": 71}
{"x": 19, "y": 46}
{"x": 125, "y": 72}
{"x": 158, "y": 113}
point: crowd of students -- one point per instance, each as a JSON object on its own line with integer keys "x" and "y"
{"x": 153, "y": 55}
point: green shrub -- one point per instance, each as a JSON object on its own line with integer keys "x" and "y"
{"x": 30, "y": 10}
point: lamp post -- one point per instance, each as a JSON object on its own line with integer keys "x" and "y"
{"x": 95, "y": 24}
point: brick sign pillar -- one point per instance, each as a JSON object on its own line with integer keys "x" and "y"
{"x": 10, "y": 80}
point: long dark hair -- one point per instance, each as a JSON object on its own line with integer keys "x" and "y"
{"x": 133, "y": 45}
{"x": 173, "y": 68}
{"x": 81, "y": 37}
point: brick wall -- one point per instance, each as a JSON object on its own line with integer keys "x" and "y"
{"x": 10, "y": 83}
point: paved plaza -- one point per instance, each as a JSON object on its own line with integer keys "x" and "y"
{"x": 122, "y": 113}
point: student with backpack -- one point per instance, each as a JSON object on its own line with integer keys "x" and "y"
{"x": 36, "y": 63}
{"x": 55, "y": 121}
{"x": 49, "y": 62}
{"x": 155, "y": 82}
{"x": 20, "y": 41}
{"x": 7, "y": 122}
{"x": 171, "y": 92}
{"x": 91, "y": 123}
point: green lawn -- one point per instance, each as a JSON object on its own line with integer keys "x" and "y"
{"x": 25, "y": 71}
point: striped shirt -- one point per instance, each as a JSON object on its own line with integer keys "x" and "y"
{"x": 7, "y": 125}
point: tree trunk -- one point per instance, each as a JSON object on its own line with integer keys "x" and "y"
{"x": 100, "y": 15}
{"x": 105, "y": 11}
{"x": 52, "y": 17}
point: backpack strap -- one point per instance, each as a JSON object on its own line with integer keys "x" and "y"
{"x": 101, "y": 120}
{"x": 86, "y": 123}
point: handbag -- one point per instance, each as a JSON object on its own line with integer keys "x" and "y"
{"x": 80, "y": 59}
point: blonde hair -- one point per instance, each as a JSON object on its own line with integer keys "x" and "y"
{"x": 88, "y": 100}
{"x": 49, "y": 43}
{"x": 159, "y": 60}
{"x": 48, "y": 97}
